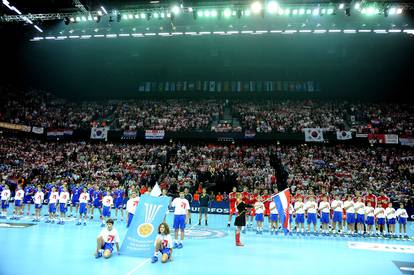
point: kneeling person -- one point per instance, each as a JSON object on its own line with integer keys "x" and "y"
{"x": 163, "y": 244}
{"x": 106, "y": 240}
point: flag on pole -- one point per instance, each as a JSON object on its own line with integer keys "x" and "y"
{"x": 156, "y": 191}
{"x": 282, "y": 202}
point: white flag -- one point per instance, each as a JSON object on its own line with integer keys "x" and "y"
{"x": 343, "y": 135}
{"x": 313, "y": 134}
{"x": 99, "y": 132}
{"x": 156, "y": 191}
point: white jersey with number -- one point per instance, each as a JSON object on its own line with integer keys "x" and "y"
{"x": 299, "y": 207}
{"x": 379, "y": 212}
{"x": 401, "y": 212}
{"x": 64, "y": 197}
{"x": 107, "y": 201}
{"x": 109, "y": 236}
{"x": 84, "y": 198}
{"x": 337, "y": 205}
{"x": 166, "y": 240}
{"x": 325, "y": 207}
{"x": 369, "y": 211}
{"x": 390, "y": 213}
{"x": 5, "y": 195}
{"x": 19, "y": 195}
{"x": 131, "y": 205}
{"x": 54, "y": 197}
{"x": 311, "y": 206}
{"x": 349, "y": 207}
{"x": 259, "y": 207}
{"x": 181, "y": 206}
{"x": 360, "y": 208}
{"x": 39, "y": 197}
{"x": 273, "y": 208}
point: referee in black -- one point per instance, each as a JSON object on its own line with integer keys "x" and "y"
{"x": 188, "y": 197}
{"x": 204, "y": 199}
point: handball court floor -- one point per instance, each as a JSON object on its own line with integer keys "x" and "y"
{"x": 68, "y": 249}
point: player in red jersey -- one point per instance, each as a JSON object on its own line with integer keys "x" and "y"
{"x": 253, "y": 200}
{"x": 370, "y": 199}
{"x": 266, "y": 201}
{"x": 383, "y": 200}
{"x": 245, "y": 197}
{"x": 232, "y": 204}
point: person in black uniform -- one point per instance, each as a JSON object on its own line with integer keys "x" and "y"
{"x": 241, "y": 217}
{"x": 188, "y": 197}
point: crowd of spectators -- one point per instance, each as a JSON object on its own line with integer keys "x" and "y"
{"x": 338, "y": 169}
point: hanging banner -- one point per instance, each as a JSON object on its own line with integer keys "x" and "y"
{"x": 313, "y": 134}
{"x": 99, "y": 132}
{"x": 343, "y": 135}
{"x": 139, "y": 240}
{"x": 38, "y": 130}
{"x": 18, "y": 127}
{"x": 154, "y": 134}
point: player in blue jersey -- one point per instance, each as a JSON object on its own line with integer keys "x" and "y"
{"x": 75, "y": 194}
{"x": 90, "y": 191}
{"x": 119, "y": 202}
{"x": 97, "y": 201}
{"x": 28, "y": 197}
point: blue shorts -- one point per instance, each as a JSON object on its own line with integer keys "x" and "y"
{"x": 75, "y": 202}
{"x": 274, "y": 217}
{"x": 4, "y": 205}
{"x": 370, "y": 220}
{"x": 108, "y": 246}
{"x": 27, "y": 200}
{"x": 381, "y": 221}
{"x": 325, "y": 217}
{"x": 106, "y": 211}
{"x": 337, "y": 216}
{"x": 18, "y": 203}
{"x": 311, "y": 218}
{"x": 167, "y": 251}
{"x": 130, "y": 216}
{"x": 97, "y": 204}
{"x": 179, "y": 222}
{"x": 63, "y": 208}
{"x": 350, "y": 218}
{"x": 360, "y": 218}
{"x": 38, "y": 206}
{"x": 119, "y": 204}
{"x": 259, "y": 217}
{"x": 83, "y": 209}
{"x": 391, "y": 221}
{"x": 402, "y": 220}
{"x": 300, "y": 218}
{"x": 52, "y": 208}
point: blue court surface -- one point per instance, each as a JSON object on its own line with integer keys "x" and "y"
{"x": 68, "y": 249}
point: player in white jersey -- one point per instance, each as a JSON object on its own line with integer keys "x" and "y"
{"x": 325, "y": 209}
{"x": 53, "y": 200}
{"x": 18, "y": 203}
{"x": 402, "y": 216}
{"x": 350, "y": 214}
{"x": 181, "y": 213}
{"x": 300, "y": 215}
{"x": 163, "y": 244}
{"x": 106, "y": 240}
{"x": 391, "y": 219}
{"x": 63, "y": 204}
{"x": 5, "y": 198}
{"x": 337, "y": 206}
{"x": 370, "y": 219}
{"x": 359, "y": 207}
{"x": 107, "y": 202}
{"x": 379, "y": 213}
{"x": 83, "y": 206}
{"x": 274, "y": 218}
{"x": 131, "y": 206}
{"x": 39, "y": 196}
{"x": 259, "y": 210}
{"x": 311, "y": 208}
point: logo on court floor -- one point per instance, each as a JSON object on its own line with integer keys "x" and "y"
{"x": 204, "y": 233}
{"x": 396, "y": 248}
{"x": 15, "y": 225}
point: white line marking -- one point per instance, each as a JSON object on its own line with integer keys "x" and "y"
{"x": 138, "y": 266}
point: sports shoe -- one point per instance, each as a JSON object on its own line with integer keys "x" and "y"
{"x": 59, "y": 222}
{"x": 62, "y": 222}
{"x": 179, "y": 246}
{"x": 98, "y": 255}
{"x": 78, "y": 223}
{"x": 48, "y": 221}
{"x": 84, "y": 223}
{"x": 154, "y": 259}
{"x": 228, "y": 225}
{"x": 206, "y": 223}
{"x": 175, "y": 245}
{"x": 52, "y": 221}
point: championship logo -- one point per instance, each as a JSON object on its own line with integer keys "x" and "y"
{"x": 145, "y": 229}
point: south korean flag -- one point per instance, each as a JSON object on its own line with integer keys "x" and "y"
{"x": 313, "y": 134}
{"x": 99, "y": 132}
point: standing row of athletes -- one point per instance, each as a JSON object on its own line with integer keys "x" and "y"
{"x": 353, "y": 214}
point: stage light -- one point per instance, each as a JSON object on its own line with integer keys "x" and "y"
{"x": 315, "y": 11}
{"x": 99, "y": 13}
{"x": 323, "y": 11}
{"x": 256, "y": 7}
{"x": 393, "y": 11}
{"x": 308, "y": 11}
{"x": 143, "y": 15}
{"x": 287, "y": 11}
{"x": 302, "y": 11}
{"x": 213, "y": 13}
{"x": 295, "y": 12}
{"x": 399, "y": 10}
{"x": 357, "y": 5}
{"x": 207, "y": 13}
{"x": 66, "y": 20}
{"x": 78, "y": 19}
{"x": 175, "y": 10}
{"x": 156, "y": 15}
{"x": 98, "y": 18}
{"x": 280, "y": 11}
{"x": 330, "y": 11}
{"x": 272, "y": 7}
{"x": 162, "y": 15}
{"x": 84, "y": 18}
{"x": 227, "y": 13}
{"x": 130, "y": 16}
{"x": 341, "y": 6}
{"x": 124, "y": 16}
{"x": 200, "y": 13}
{"x": 72, "y": 19}
{"x": 247, "y": 13}
{"x": 190, "y": 9}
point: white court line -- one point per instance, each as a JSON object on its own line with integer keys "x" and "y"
{"x": 138, "y": 266}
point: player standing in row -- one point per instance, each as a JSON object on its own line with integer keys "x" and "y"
{"x": 63, "y": 204}
{"x": 53, "y": 200}
{"x": 107, "y": 202}
{"x": 350, "y": 214}
{"x": 311, "y": 209}
{"x": 5, "y": 198}
{"x": 83, "y": 210}
{"x": 131, "y": 207}
{"x": 232, "y": 204}
{"x": 18, "y": 205}
{"x": 391, "y": 219}
{"x": 181, "y": 214}
{"x": 240, "y": 221}
{"x": 402, "y": 216}
{"x": 274, "y": 218}
{"x": 337, "y": 206}
{"x": 28, "y": 197}
{"x": 370, "y": 219}
{"x": 299, "y": 210}
{"x": 325, "y": 209}
{"x": 360, "y": 210}
{"x": 38, "y": 200}
{"x": 97, "y": 202}
{"x": 76, "y": 191}
{"x": 189, "y": 198}
{"x": 259, "y": 211}
{"x": 119, "y": 202}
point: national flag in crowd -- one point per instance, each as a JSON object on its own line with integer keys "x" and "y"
{"x": 313, "y": 134}
{"x": 343, "y": 135}
{"x": 282, "y": 202}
